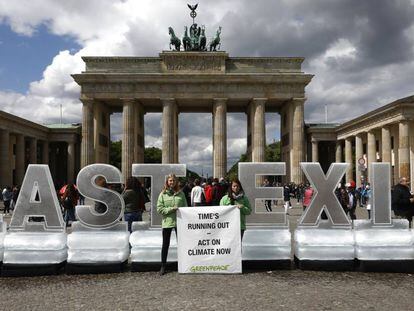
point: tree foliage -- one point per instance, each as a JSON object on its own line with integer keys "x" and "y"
{"x": 272, "y": 154}
{"x": 151, "y": 155}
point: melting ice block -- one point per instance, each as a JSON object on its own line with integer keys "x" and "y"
{"x": 98, "y": 246}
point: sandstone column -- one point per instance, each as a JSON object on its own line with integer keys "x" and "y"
{"x": 338, "y": 152}
{"x": 33, "y": 151}
{"x": 315, "y": 151}
{"x": 45, "y": 152}
{"x": 258, "y": 129}
{"x": 128, "y": 137}
{"x": 139, "y": 133}
{"x": 359, "y": 152}
{"x": 5, "y": 171}
{"x": 348, "y": 159}
{"x": 71, "y": 163}
{"x": 219, "y": 137}
{"x": 20, "y": 157}
{"x": 52, "y": 160}
{"x": 87, "y": 150}
{"x": 175, "y": 128}
{"x": 386, "y": 144}
{"x": 249, "y": 133}
{"x": 412, "y": 156}
{"x": 404, "y": 149}
{"x": 297, "y": 140}
{"x": 168, "y": 131}
{"x": 371, "y": 151}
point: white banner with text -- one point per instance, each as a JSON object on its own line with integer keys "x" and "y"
{"x": 209, "y": 239}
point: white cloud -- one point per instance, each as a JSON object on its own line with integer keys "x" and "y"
{"x": 360, "y": 53}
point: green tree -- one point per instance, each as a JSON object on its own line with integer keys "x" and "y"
{"x": 272, "y": 154}
{"x": 115, "y": 154}
{"x": 152, "y": 155}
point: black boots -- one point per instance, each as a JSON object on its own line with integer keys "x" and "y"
{"x": 162, "y": 270}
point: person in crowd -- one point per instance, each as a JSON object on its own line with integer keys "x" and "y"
{"x": 222, "y": 188}
{"x": 186, "y": 189}
{"x": 367, "y": 198}
{"x": 16, "y": 192}
{"x": 286, "y": 196}
{"x": 216, "y": 192}
{"x": 169, "y": 200}
{"x": 402, "y": 200}
{"x": 132, "y": 198}
{"x": 268, "y": 203}
{"x": 208, "y": 191}
{"x": 69, "y": 201}
{"x": 7, "y": 198}
{"x": 307, "y": 197}
{"x": 350, "y": 188}
{"x": 343, "y": 198}
{"x": 236, "y": 196}
{"x": 197, "y": 194}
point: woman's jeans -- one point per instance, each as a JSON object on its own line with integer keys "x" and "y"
{"x": 131, "y": 217}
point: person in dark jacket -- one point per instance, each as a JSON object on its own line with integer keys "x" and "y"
{"x": 403, "y": 201}
{"x": 132, "y": 196}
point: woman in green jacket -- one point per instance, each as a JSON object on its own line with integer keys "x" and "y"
{"x": 169, "y": 200}
{"x": 236, "y": 196}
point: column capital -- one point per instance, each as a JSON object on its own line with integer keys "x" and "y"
{"x": 167, "y": 99}
{"x": 260, "y": 100}
{"x": 220, "y": 100}
{"x": 87, "y": 100}
{"x": 128, "y": 100}
{"x": 299, "y": 99}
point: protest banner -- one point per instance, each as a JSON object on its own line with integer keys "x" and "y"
{"x": 209, "y": 239}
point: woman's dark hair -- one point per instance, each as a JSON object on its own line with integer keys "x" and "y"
{"x": 130, "y": 183}
{"x": 229, "y": 191}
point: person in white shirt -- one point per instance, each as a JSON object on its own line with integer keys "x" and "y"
{"x": 197, "y": 194}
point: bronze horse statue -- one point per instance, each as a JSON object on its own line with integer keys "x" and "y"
{"x": 186, "y": 40}
{"x": 216, "y": 41}
{"x": 202, "y": 39}
{"x": 173, "y": 39}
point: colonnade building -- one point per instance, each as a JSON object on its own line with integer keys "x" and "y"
{"x": 382, "y": 135}
{"x": 23, "y": 142}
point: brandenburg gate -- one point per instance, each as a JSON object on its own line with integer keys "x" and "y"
{"x": 185, "y": 81}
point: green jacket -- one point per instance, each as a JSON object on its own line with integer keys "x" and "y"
{"x": 245, "y": 210}
{"x": 166, "y": 202}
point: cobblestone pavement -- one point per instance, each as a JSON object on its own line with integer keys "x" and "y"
{"x": 284, "y": 290}
{"x": 268, "y": 290}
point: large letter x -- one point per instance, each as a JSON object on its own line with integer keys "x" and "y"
{"x": 324, "y": 196}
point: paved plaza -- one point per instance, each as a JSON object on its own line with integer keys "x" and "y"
{"x": 284, "y": 290}
{"x": 260, "y": 290}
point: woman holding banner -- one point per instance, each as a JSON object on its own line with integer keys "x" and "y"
{"x": 235, "y": 196}
{"x": 169, "y": 200}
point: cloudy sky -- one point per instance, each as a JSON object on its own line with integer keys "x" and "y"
{"x": 361, "y": 53}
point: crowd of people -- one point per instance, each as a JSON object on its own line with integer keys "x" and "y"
{"x": 214, "y": 192}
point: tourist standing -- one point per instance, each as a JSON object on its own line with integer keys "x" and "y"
{"x": 268, "y": 203}
{"x": 236, "y": 196}
{"x": 307, "y": 197}
{"x": 197, "y": 194}
{"x": 69, "y": 200}
{"x": 169, "y": 200}
{"x": 403, "y": 201}
{"x": 367, "y": 199}
{"x": 7, "y": 197}
{"x": 133, "y": 210}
